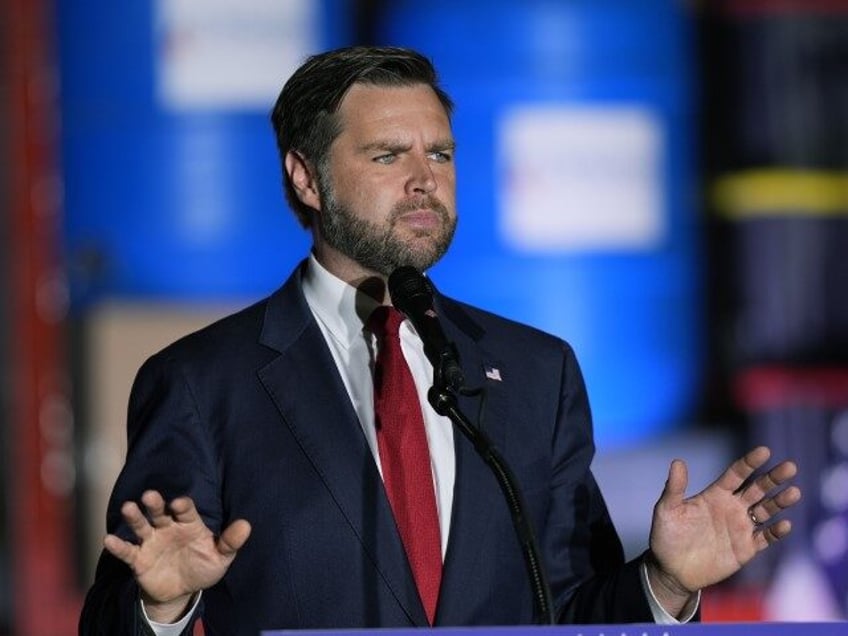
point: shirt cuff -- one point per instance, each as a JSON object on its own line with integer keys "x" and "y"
{"x": 170, "y": 629}
{"x": 661, "y": 617}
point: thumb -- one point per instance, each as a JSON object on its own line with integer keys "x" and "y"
{"x": 675, "y": 486}
{"x": 233, "y": 537}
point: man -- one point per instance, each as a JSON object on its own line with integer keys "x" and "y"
{"x": 262, "y": 488}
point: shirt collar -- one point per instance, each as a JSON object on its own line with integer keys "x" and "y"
{"x": 340, "y": 307}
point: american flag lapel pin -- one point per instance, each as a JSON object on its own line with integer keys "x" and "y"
{"x": 493, "y": 373}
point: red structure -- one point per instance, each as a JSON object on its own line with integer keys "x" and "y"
{"x": 46, "y": 595}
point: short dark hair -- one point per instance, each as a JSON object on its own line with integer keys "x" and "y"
{"x": 305, "y": 116}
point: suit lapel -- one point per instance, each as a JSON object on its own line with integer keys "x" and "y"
{"x": 476, "y": 493}
{"x": 305, "y": 385}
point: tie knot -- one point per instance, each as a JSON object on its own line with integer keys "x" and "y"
{"x": 385, "y": 321}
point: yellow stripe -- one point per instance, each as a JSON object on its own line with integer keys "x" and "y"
{"x": 780, "y": 193}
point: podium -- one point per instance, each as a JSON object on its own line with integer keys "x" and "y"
{"x": 631, "y": 629}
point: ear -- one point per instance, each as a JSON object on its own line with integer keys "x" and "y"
{"x": 303, "y": 179}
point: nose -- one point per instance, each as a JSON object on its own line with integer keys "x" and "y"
{"x": 421, "y": 180}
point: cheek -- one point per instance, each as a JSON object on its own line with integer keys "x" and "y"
{"x": 447, "y": 184}
{"x": 373, "y": 199}
{"x": 373, "y": 188}
{"x": 351, "y": 188}
{"x": 367, "y": 197}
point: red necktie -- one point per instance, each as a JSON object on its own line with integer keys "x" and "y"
{"x": 405, "y": 458}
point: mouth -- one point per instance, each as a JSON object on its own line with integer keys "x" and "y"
{"x": 422, "y": 219}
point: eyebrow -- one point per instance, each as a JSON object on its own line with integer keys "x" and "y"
{"x": 445, "y": 144}
{"x": 396, "y": 145}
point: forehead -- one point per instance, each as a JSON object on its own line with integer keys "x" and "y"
{"x": 368, "y": 110}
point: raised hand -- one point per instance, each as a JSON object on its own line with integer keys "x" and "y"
{"x": 701, "y": 540}
{"x": 176, "y": 554}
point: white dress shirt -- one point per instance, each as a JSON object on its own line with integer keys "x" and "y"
{"x": 342, "y": 313}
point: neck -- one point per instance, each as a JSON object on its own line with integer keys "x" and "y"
{"x": 365, "y": 281}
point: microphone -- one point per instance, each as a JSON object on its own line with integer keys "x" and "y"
{"x": 412, "y": 294}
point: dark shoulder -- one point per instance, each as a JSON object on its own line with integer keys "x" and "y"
{"x": 229, "y": 338}
{"x": 239, "y": 336}
{"x": 547, "y": 362}
{"x": 481, "y": 323}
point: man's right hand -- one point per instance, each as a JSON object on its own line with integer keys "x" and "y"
{"x": 176, "y": 555}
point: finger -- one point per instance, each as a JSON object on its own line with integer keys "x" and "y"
{"x": 767, "y": 508}
{"x": 123, "y": 550}
{"x": 156, "y": 509}
{"x": 136, "y": 520}
{"x": 233, "y": 537}
{"x": 773, "y": 533}
{"x": 184, "y": 510}
{"x": 675, "y": 485}
{"x": 767, "y": 482}
{"x": 737, "y": 474}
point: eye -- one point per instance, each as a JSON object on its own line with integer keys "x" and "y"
{"x": 385, "y": 159}
{"x": 441, "y": 156}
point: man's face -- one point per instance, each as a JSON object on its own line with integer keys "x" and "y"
{"x": 387, "y": 188}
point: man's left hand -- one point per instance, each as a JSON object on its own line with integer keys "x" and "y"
{"x": 701, "y": 540}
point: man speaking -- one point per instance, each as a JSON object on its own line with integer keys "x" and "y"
{"x": 286, "y": 470}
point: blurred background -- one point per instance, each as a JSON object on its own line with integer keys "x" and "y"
{"x": 662, "y": 183}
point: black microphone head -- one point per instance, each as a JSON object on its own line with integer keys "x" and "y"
{"x": 409, "y": 290}
{"x": 412, "y": 294}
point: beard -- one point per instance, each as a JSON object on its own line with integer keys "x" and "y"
{"x": 378, "y": 247}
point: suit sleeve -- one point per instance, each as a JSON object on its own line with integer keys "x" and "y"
{"x": 169, "y": 450}
{"x": 589, "y": 579}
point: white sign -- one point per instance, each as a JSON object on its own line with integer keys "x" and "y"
{"x": 229, "y": 54}
{"x": 580, "y": 178}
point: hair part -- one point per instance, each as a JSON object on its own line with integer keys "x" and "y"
{"x": 305, "y": 116}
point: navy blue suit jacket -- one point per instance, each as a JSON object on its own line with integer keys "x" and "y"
{"x": 250, "y": 418}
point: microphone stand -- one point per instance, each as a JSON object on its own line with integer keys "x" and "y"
{"x": 443, "y": 400}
